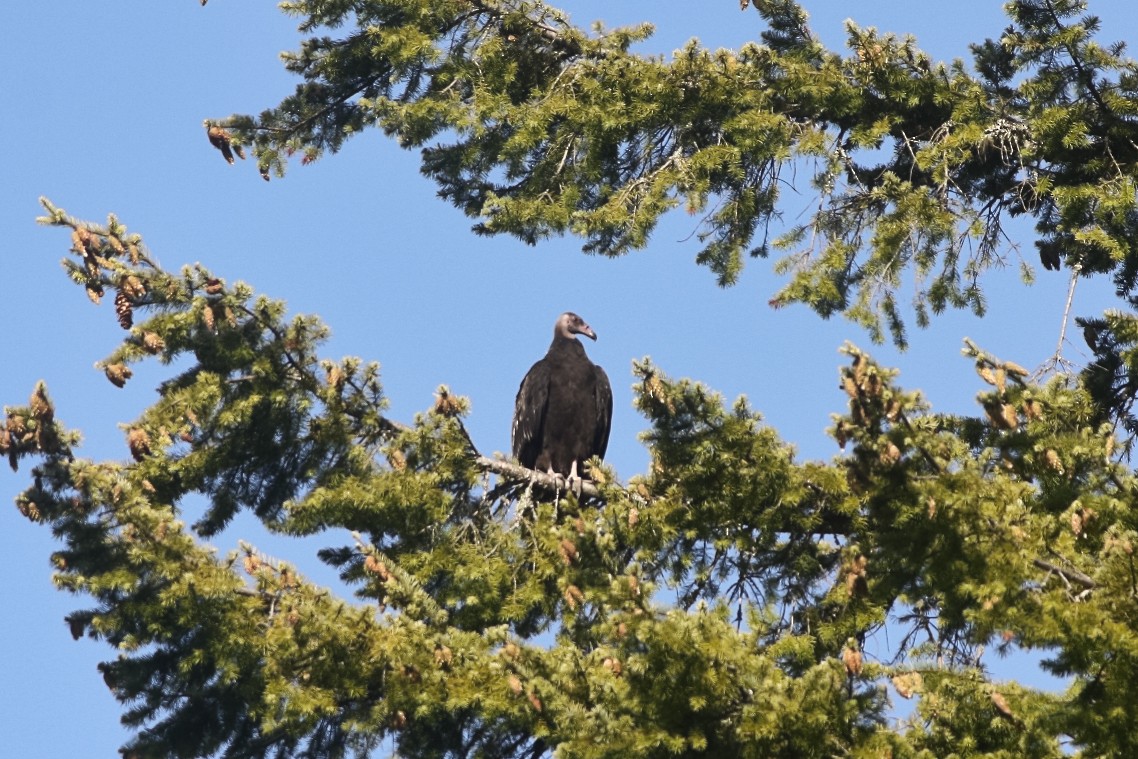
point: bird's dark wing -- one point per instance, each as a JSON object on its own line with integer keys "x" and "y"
{"x": 604, "y": 413}
{"x": 529, "y": 414}
{"x": 1050, "y": 254}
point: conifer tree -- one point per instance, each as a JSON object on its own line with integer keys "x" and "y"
{"x": 720, "y": 603}
{"x": 715, "y": 605}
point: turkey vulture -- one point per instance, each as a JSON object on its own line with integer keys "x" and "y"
{"x": 564, "y": 406}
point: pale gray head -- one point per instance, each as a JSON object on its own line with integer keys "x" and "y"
{"x": 569, "y": 324}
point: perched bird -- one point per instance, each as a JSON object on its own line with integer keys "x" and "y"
{"x": 1050, "y": 254}
{"x": 563, "y": 411}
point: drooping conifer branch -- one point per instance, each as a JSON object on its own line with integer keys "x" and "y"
{"x": 500, "y": 95}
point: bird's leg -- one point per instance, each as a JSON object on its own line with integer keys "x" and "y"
{"x": 574, "y": 481}
{"x": 557, "y": 478}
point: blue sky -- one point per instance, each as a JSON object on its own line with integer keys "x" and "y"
{"x": 104, "y": 105}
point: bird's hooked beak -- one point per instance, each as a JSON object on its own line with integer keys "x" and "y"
{"x": 587, "y": 331}
{"x": 570, "y": 324}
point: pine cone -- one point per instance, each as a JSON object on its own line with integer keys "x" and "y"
{"x": 907, "y": 684}
{"x": 83, "y": 241}
{"x": 220, "y": 139}
{"x": 41, "y": 406}
{"x": 118, "y": 374}
{"x": 17, "y": 426}
{"x": 1016, "y": 369}
{"x": 851, "y": 658}
{"x": 568, "y": 551}
{"x": 374, "y": 565}
{"x": 133, "y": 286}
{"x": 139, "y": 443}
{"x": 574, "y": 597}
{"x": 124, "y": 310}
{"x": 447, "y": 405}
{"x": 1002, "y": 707}
{"x": 152, "y": 343}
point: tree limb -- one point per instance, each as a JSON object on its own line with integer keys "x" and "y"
{"x": 1069, "y": 575}
{"x": 518, "y": 472}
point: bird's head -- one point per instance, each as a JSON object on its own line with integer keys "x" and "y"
{"x": 569, "y": 324}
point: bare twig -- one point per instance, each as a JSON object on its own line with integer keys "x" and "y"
{"x": 1058, "y": 360}
{"x": 1068, "y": 575}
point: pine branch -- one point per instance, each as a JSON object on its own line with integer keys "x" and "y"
{"x": 1068, "y": 575}
{"x": 552, "y": 482}
{"x": 546, "y": 32}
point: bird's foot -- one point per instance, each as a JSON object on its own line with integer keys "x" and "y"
{"x": 574, "y": 481}
{"x": 559, "y": 484}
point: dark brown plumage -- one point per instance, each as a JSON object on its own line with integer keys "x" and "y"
{"x": 563, "y": 410}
